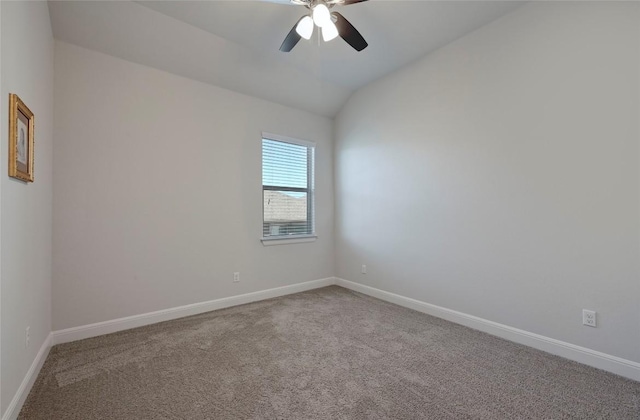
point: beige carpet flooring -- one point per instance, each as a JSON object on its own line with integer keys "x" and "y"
{"x": 324, "y": 354}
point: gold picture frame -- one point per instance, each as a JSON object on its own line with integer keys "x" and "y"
{"x": 21, "y": 126}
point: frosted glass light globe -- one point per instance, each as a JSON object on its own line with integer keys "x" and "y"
{"x": 329, "y": 32}
{"x": 321, "y": 15}
{"x": 305, "y": 27}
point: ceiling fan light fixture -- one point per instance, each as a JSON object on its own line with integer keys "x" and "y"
{"x": 329, "y": 32}
{"x": 305, "y": 27}
{"x": 321, "y": 15}
{"x": 333, "y": 24}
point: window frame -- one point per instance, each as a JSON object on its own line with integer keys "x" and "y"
{"x": 310, "y": 191}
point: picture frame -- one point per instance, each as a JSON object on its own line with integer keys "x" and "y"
{"x": 21, "y": 139}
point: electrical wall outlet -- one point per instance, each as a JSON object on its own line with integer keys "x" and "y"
{"x": 364, "y": 269}
{"x": 236, "y": 277}
{"x": 589, "y": 318}
{"x": 27, "y": 337}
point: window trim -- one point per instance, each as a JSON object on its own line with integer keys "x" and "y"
{"x": 286, "y": 240}
{"x": 310, "y": 190}
{"x": 285, "y": 139}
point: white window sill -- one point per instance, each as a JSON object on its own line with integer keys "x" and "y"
{"x": 285, "y": 240}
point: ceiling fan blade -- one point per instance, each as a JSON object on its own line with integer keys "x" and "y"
{"x": 292, "y": 38}
{"x": 349, "y": 33}
{"x": 348, "y": 2}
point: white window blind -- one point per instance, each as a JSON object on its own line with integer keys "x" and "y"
{"x": 287, "y": 188}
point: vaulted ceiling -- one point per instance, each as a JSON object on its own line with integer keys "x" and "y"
{"x": 234, "y": 44}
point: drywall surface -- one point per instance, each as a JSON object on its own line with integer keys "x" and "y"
{"x": 27, "y": 70}
{"x": 145, "y": 36}
{"x": 499, "y": 176}
{"x": 158, "y": 191}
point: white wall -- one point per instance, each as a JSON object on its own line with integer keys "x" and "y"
{"x": 499, "y": 175}
{"x": 157, "y": 191}
{"x": 27, "y": 70}
{"x": 148, "y": 37}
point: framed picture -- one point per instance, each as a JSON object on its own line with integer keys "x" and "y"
{"x": 20, "y": 139}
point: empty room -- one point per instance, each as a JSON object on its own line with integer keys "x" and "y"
{"x": 319, "y": 209}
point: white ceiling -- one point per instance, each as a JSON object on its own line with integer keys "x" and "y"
{"x": 234, "y": 44}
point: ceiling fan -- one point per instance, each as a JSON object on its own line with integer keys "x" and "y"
{"x": 331, "y": 23}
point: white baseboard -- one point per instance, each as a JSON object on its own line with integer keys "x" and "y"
{"x": 120, "y": 324}
{"x": 617, "y": 365}
{"x": 29, "y": 379}
{"x": 613, "y": 364}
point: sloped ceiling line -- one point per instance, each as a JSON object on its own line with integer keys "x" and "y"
{"x": 234, "y": 44}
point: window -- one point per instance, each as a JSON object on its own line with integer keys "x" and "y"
{"x": 287, "y": 188}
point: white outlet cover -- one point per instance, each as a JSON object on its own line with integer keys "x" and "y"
{"x": 589, "y": 318}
